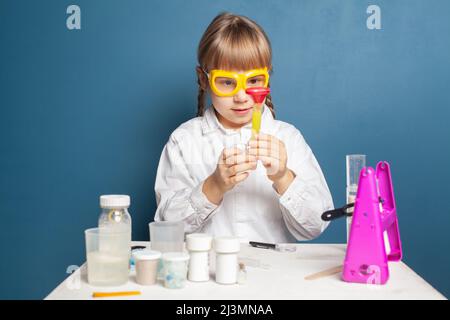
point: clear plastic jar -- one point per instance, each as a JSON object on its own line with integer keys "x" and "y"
{"x": 146, "y": 266}
{"x": 175, "y": 268}
{"x": 115, "y": 218}
{"x": 115, "y": 215}
{"x": 107, "y": 256}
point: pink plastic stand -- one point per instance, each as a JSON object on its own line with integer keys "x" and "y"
{"x": 366, "y": 260}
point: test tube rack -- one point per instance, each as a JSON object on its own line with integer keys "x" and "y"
{"x": 366, "y": 259}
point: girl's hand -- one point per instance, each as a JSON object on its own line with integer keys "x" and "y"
{"x": 232, "y": 168}
{"x": 272, "y": 153}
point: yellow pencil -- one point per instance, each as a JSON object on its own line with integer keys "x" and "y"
{"x": 115, "y": 294}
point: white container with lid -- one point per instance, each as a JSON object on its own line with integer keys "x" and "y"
{"x": 175, "y": 266}
{"x": 227, "y": 249}
{"x": 146, "y": 262}
{"x": 198, "y": 245}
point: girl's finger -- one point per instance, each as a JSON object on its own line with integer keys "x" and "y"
{"x": 272, "y": 140}
{"x": 267, "y": 161}
{"x": 272, "y": 165}
{"x": 274, "y": 146}
{"x": 258, "y": 152}
{"x": 239, "y": 178}
{"x": 240, "y": 158}
{"x": 239, "y": 168}
{"x": 264, "y": 144}
{"x": 265, "y": 152}
{"x": 227, "y": 152}
{"x": 264, "y": 137}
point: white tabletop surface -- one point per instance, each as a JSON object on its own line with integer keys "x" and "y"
{"x": 279, "y": 275}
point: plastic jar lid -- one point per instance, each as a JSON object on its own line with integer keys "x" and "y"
{"x": 175, "y": 256}
{"x": 198, "y": 242}
{"x": 146, "y": 255}
{"x": 114, "y": 201}
{"x": 227, "y": 245}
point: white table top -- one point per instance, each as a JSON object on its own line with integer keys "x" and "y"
{"x": 281, "y": 276}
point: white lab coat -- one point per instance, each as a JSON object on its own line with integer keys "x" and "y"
{"x": 252, "y": 210}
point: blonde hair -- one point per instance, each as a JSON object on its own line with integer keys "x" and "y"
{"x": 232, "y": 42}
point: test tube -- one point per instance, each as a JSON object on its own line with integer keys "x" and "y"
{"x": 354, "y": 164}
{"x": 256, "y": 119}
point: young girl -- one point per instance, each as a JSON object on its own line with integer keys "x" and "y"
{"x": 217, "y": 179}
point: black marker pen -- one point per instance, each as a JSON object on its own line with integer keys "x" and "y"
{"x": 262, "y": 245}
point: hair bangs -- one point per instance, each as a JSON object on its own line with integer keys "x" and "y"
{"x": 240, "y": 49}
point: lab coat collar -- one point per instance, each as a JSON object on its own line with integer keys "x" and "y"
{"x": 210, "y": 122}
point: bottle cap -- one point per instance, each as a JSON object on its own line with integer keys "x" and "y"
{"x": 198, "y": 242}
{"x": 175, "y": 256}
{"x": 114, "y": 201}
{"x": 146, "y": 255}
{"x": 227, "y": 245}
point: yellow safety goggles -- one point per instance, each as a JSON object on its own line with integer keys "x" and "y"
{"x": 227, "y": 83}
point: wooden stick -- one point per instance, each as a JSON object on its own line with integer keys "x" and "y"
{"x": 325, "y": 273}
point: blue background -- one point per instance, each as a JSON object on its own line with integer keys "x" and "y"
{"x": 87, "y": 112}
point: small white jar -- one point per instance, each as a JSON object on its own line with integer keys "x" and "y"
{"x": 198, "y": 245}
{"x": 146, "y": 265}
{"x": 227, "y": 249}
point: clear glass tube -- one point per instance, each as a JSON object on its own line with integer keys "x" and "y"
{"x": 354, "y": 165}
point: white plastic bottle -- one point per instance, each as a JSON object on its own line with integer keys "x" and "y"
{"x": 227, "y": 249}
{"x": 198, "y": 245}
